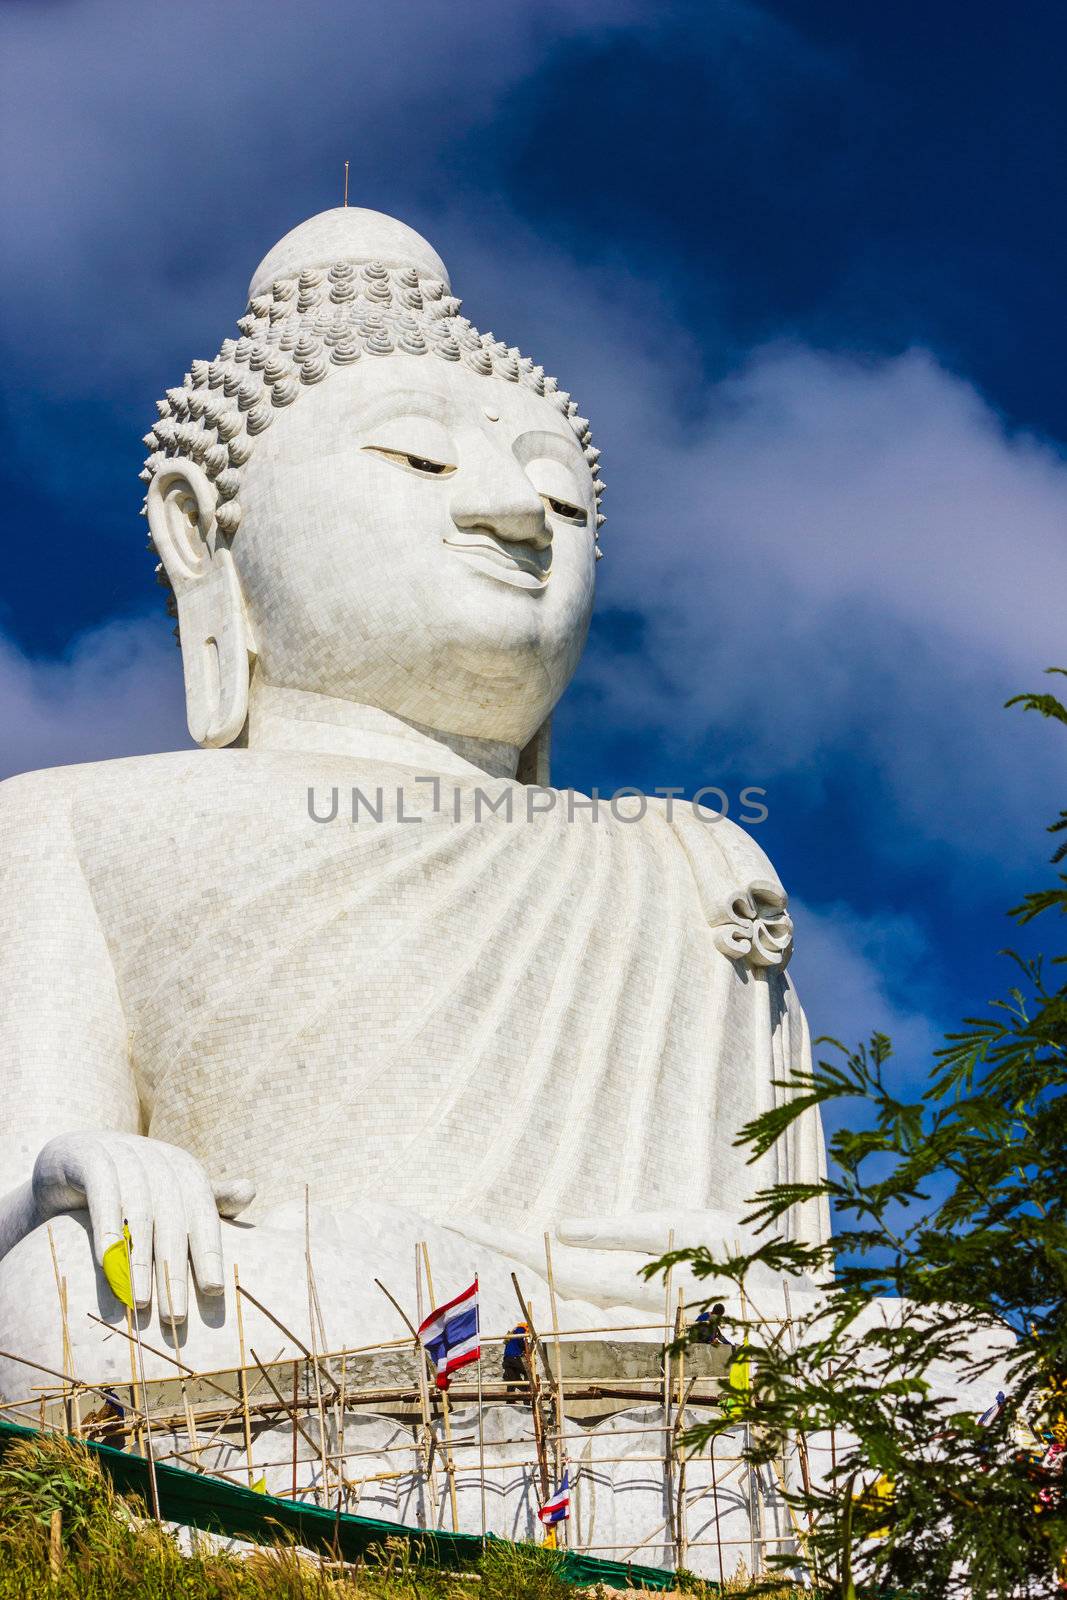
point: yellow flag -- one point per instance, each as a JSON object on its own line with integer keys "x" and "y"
{"x": 884, "y": 1490}
{"x": 259, "y": 1487}
{"x": 739, "y": 1382}
{"x": 550, "y": 1538}
{"x": 880, "y": 1498}
{"x": 116, "y": 1266}
{"x": 740, "y": 1377}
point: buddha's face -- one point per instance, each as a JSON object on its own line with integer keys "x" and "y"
{"x": 420, "y": 538}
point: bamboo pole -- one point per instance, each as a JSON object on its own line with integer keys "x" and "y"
{"x": 450, "y": 1465}
{"x": 715, "y": 1502}
{"x": 682, "y": 1530}
{"x": 190, "y": 1420}
{"x": 68, "y": 1349}
{"x": 424, "y": 1392}
{"x": 291, "y": 1336}
{"x": 519, "y": 1464}
{"x": 314, "y": 1341}
{"x": 201, "y": 1377}
{"x": 93, "y": 1388}
{"x": 802, "y": 1447}
{"x": 755, "y": 1528}
{"x": 153, "y": 1486}
{"x": 341, "y": 1414}
{"x": 135, "y": 1389}
{"x": 229, "y": 1415}
{"x": 557, "y": 1353}
{"x": 668, "y": 1453}
{"x": 296, "y": 1403}
{"x": 481, "y": 1441}
{"x": 535, "y": 1390}
{"x": 297, "y": 1424}
{"x": 242, "y": 1379}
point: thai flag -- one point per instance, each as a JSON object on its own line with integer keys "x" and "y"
{"x": 558, "y": 1509}
{"x": 450, "y": 1334}
{"x": 990, "y": 1415}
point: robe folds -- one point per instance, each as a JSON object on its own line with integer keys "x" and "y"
{"x": 433, "y": 1006}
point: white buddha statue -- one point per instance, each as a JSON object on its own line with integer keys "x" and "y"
{"x": 227, "y": 981}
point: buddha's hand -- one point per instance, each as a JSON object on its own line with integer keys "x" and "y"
{"x": 162, "y": 1192}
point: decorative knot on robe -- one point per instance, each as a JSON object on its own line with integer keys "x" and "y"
{"x": 754, "y": 926}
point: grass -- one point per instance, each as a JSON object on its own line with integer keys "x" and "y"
{"x": 109, "y": 1550}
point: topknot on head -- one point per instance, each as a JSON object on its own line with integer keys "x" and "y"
{"x": 349, "y": 236}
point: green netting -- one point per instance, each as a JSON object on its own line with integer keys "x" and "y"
{"x": 226, "y": 1508}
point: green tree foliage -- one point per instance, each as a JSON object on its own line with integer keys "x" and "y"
{"x": 954, "y": 1204}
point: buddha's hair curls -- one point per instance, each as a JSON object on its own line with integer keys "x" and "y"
{"x": 293, "y": 337}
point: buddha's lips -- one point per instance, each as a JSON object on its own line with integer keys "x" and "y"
{"x": 512, "y": 562}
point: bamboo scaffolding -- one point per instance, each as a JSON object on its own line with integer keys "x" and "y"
{"x": 208, "y": 1435}
{"x": 45, "y": 1425}
{"x": 297, "y": 1424}
{"x": 230, "y": 1415}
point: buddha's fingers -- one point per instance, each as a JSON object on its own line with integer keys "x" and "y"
{"x": 232, "y": 1195}
{"x": 172, "y": 1246}
{"x": 137, "y": 1205}
{"x": 201, "y": 1218}
{"x": 76, "y": 1170}
{"x": 103, "y": 1197}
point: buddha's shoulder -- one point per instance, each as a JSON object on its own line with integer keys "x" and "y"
{"x": 721, "y": 853}
{"x": 742, "y": 897}
{"x": 54, "y": 800}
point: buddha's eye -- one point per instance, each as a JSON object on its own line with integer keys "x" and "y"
{"x": 563, "y": 508}
{"x": 420, "y": 464}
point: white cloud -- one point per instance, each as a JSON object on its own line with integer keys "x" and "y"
{"x": 852, "y": 971}
{"x": 117, "y": 692}
{"x": 844, "y": 562}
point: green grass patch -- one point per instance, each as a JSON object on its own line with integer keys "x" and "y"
{"x": 67, "y": 1534}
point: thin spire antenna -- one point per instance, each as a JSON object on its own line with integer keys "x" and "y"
{"x": 346, "y": 183}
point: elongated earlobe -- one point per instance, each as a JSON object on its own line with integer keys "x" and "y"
{"x": 213, "y": 626}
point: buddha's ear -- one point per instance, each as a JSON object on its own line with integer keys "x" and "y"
{"x": 213, "y": 625}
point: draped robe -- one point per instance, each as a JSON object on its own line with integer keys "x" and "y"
{"x": 563, "y": 1014}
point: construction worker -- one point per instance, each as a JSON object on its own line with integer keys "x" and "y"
{"x": 708, "y": 1326}
{"x": 515, "y": 1369}
{"x": 108, "y": 1424}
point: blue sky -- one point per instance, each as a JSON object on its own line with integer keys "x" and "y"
{"x": 802, "y": 266}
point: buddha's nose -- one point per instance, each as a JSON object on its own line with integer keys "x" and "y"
{"x": 493, "y": 492}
